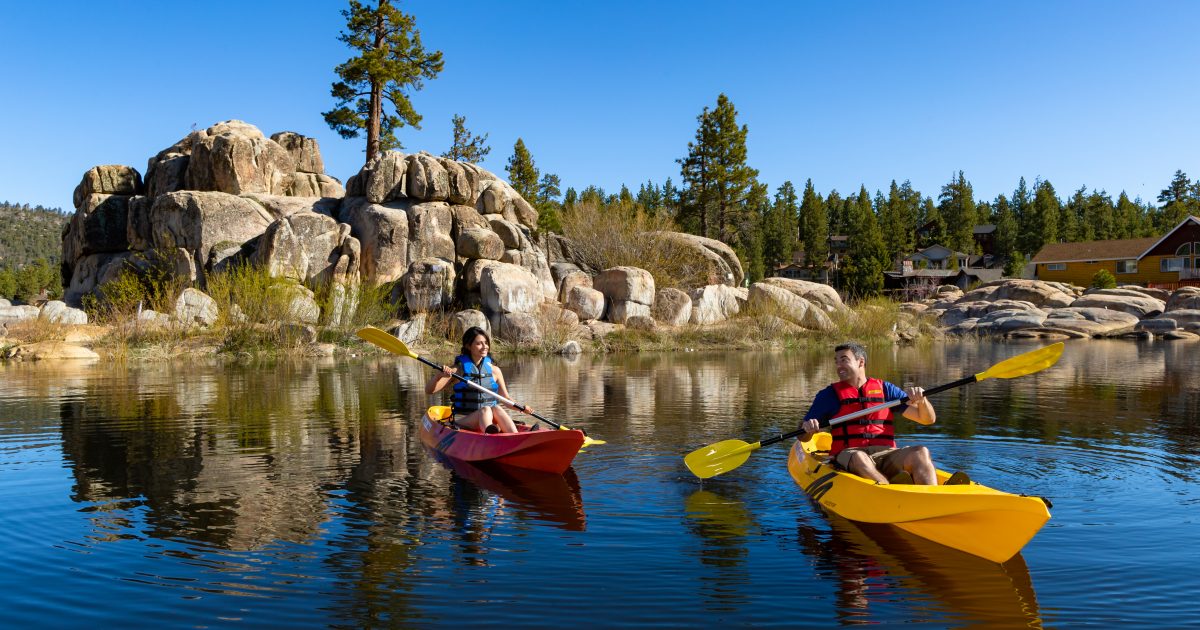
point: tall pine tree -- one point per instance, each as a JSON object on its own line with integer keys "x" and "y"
{"x": 720, "y": 183}
{"x": 956, "y": 204}
{"x": 862, "y": 271}
{"x": 814, "y": 231}
{"x": 1044, "y": 213}
{"x": 391, "y": 62}
{"x": 779, "y": 228}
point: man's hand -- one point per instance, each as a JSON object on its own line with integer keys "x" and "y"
{"x": 810, "y": 427}
{"x": 916, "y": 395}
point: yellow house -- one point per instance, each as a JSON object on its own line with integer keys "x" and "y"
{"x": 1172, "y": 259}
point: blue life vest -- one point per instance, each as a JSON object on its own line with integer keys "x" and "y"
{"x": 467, "y": 399}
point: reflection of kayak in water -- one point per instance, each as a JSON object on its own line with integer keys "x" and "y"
{"x": 550, "y": 451}
{"x": 971, "y": 518}
{"x": 966, "y": 587}
{"x": 554, "y": 498}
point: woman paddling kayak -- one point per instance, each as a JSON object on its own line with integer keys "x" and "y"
{"x": 474, "y": 409}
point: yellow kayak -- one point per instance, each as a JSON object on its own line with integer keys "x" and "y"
{"x": 971, "y": 518}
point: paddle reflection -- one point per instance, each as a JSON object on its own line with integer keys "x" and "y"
{"x": 723, "y": 526}
{"x": 876, "y": 565}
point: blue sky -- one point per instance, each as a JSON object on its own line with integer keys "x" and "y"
{"x": 1102, "y": 94}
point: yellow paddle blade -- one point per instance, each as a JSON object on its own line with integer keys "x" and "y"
{"x": 387, "y": 342}
{"x": 1022, "y": 364}
{"x": 587, "y": 440}
{"x": 718, "y": 458}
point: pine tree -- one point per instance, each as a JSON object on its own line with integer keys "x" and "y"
{"x": 1022, "y": 203}
{"x": 466, "y": 147}
{"x": 898, "y": 220}
{"x": 956, "y": 204}
{"x": 1099, "y": 218}
{"x": 813, "y": 230}
{"x": 1044, "y": 212}
{"x": 1130, "y": 219}
{"x": 719, "y": 182}
{"x": 1069, "y": 228}
{"x": 1007, "y": 236}
{"x": 779, "y": 228}
{"x": 522, "y": 174}
{"x": 570, "y": 198}
{"x": 934, "y": 224}
{"x": 836, "y": 207}
{"x": 862, "y": 273}
{"x": 391, "y": 62}
{"x": 1180, "y": 199}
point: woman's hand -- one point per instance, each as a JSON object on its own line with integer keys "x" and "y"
{"x": 447, "y": 370}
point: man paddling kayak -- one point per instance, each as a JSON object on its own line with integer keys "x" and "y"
{"x": 867, "y": 447}
{"x": 474, "y": 409}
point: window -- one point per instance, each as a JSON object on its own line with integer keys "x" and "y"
{"x": 1184, "y": 250}
{"x": 1174, "y": 264}
{"x": 1056, "y": 266}
{"x": 1126, "y": 266}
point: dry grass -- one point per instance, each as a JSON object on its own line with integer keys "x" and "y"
{"x": 614, "y": 236}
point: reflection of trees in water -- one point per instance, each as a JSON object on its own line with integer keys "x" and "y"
{"x": 235, "y": 457}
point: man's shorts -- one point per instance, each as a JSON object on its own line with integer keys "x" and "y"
{"x": 888, "y": 460}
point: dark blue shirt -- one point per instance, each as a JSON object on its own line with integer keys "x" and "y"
{"x": 826, "y": 404}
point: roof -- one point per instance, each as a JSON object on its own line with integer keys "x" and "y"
{"x": 986, "y": 228}
{"x": 1119, "y": 249}
{"x": 1172, "y": 231}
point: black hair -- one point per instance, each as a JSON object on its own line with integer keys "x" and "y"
{"x": 856, "y": 348}
{"x": 469, "y": 337}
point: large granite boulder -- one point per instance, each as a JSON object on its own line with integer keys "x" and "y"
{"x": 92, "y": 271}
{"x": 716, "y": 262}
{"x": 586, "y": 302}
{"x": 428, "y": 285}
{"x": 774, "y": 300}
{"x": 821, "y": 294}
{"x": 507, "y": 288}
{"x": 1183, "y": 315}
{"x": 517, "y": 328}
{"x": 235, "y": 157}
{"x": 628, "y": 291}
{"x": 672, "y": 307}
{"x": 1131, "y": 302}
{"x": 382, "y": 233}
{"x": 1092, "y": 321}
{"x": 714, "y": 303}
{"x": 195, "y": 307}
{"x": 58, "y": 312}
{"x": 464, "y": 320}
{"x": 1184, "y": 297}
{"x": 479, "y": 243}
{"x": 429, "y": 227}
{"x": 51, "y": 350}
{"x": 571, "y": 280}
{"x": 307, "y": 247}
{"x": 1039, "y": 293}
{"x": 199, "y": 222}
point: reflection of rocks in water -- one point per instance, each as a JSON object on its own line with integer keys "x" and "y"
{"x": 246, "y": 462}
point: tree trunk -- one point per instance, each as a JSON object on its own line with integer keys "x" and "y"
{"x": 375, "y": 115}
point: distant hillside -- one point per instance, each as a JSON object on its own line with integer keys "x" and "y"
{"x": 27, "y": 234}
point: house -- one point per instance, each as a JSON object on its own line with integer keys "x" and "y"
{"x": 937, "y": 257}
{"x": 839, "y": 245}
{"x": 1167, "y": 261}
{"x": 984, "y": 235}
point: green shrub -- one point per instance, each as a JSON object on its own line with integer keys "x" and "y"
{"x": 1104, "y": 280}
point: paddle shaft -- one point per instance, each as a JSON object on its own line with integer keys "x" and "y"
{"x": 510, "y": 403}
{"x": 870, "y": 410}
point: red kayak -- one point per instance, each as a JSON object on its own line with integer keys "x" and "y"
{"x": 547, "y": 450}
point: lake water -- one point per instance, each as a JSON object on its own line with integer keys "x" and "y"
{"x": 299, "y": 494}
